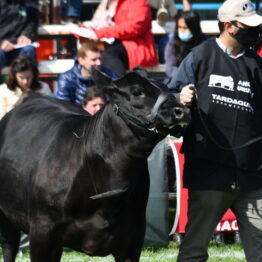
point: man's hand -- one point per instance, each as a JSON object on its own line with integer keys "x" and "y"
{"x": 23, "y": 40}
{"x": 7, "y": 46}
{"x": 187, "y": 94}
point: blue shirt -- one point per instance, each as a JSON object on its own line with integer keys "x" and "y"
{"x": 72, "y": 85}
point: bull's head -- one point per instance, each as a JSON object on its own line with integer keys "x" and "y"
{"x": 143, "y": 101}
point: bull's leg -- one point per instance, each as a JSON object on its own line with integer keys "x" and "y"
{"x": 128, "y": 254}
{"x": 129, "y": 249}
{"x": 44, "y": 244}
{"x": 10, "y": 238}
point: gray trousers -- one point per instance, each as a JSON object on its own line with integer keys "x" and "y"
{"x": 206, "y": 208}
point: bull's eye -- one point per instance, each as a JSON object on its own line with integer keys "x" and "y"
{"x": 138, "y": 93}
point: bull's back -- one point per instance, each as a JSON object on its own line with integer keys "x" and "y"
{"x": 31, "y": 138}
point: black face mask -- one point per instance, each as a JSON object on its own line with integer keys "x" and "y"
{"x": 248, "y": 36}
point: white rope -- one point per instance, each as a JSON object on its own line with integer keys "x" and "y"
{"x": 178, "y": 184}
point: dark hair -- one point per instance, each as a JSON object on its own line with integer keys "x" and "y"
{"x": 181, "y": 48}
{"x": 87, "y": 46}
{"x": 91, "y": 93}
{"x": 21, "y": 64}
{"x": 221, "y": 26}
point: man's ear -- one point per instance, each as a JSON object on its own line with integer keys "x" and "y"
{"x": 228, "y": 26}
{"x": 80, "y": 60}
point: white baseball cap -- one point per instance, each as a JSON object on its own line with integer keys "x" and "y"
{"x": 242, "y": 11}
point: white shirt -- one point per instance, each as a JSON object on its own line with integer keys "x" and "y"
{"x": 8, "y": 98}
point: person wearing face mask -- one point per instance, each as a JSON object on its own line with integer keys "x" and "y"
{"x": 187, "y": 35}
{"x": 221, "y": 81}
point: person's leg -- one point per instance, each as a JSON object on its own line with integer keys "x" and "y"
{"x": 74, "y": 8}
{"x": 28, "y": 50}
{"x": 63, "y": 8}
{"x": 161, "y": 48}
{"x": 3, "y": 61}
{"x": 205, "y": 209}
{"x": 248, "y": 210}
{"x": 115, "y": 58}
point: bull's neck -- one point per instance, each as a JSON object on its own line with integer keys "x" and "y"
{"x": 117, "y": 132}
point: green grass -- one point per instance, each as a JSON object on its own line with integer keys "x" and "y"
{"x": 225, "y": 253}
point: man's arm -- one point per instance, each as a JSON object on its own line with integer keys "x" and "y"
{"x": 64, "y": 88}
{"x": 7, "y": 46}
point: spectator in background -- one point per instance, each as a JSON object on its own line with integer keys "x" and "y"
{"x": 94, "y": 100}
{"x": 73, "y": 84}
{"x": 104, "y": 14}
{"x": 163, "y": 11}
{"x": 71, "y": 10}
{"x": 18, "y": 26}
{"x": 187, "y": 35}
{"x": 22, "y": 81}
{"x": 134, "y": 41}
{"x": 222, "y": 144}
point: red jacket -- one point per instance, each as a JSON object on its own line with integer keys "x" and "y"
{"x": 133, "y": 27}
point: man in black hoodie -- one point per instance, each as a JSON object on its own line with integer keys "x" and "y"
{"x": 18, "y": 26}
{"x": 221, "y": 81}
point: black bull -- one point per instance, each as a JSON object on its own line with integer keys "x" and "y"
{"x": 71, "y": 180}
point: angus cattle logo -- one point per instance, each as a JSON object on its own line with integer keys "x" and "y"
{"x": 225, "y": 82}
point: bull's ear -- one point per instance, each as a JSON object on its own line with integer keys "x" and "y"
{"x": 101, "y": 79}
{"x": 140, "y": 70}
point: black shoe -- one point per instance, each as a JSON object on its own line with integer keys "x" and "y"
{"x": 237, "y": 238}
{"x": 177, "y": 237}
{"x": 74, "y": 20}
{"x": 218, "y": 237}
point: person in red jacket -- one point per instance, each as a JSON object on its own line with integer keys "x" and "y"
{"x": 134, "y": 43}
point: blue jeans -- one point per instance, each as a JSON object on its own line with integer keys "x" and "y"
{"x": 71, "y": 7}
{"x": 161, "y": 44}
{"x": 7, "y": 57}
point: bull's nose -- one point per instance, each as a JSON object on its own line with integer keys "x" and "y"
{"x": 178, "y": 112}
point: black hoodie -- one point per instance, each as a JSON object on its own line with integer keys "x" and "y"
{"x": 226, "y": 117}
{"x": 17, "y": 20}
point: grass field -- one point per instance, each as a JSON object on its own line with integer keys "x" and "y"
{"x": 225, "y": 253}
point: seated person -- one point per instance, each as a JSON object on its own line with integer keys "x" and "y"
{"x": 71, "y": 10}
{"x": 187, "y": 34}
{"x": 18, "y": 26}
{"x": 134, "y": 42}
{"x": 93, "y": 101}
{"x": 73, "y": 84}
{"x": 22, "y": 80}
{"x": 163, "y": 11}
{"x": 170, "y": 7}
